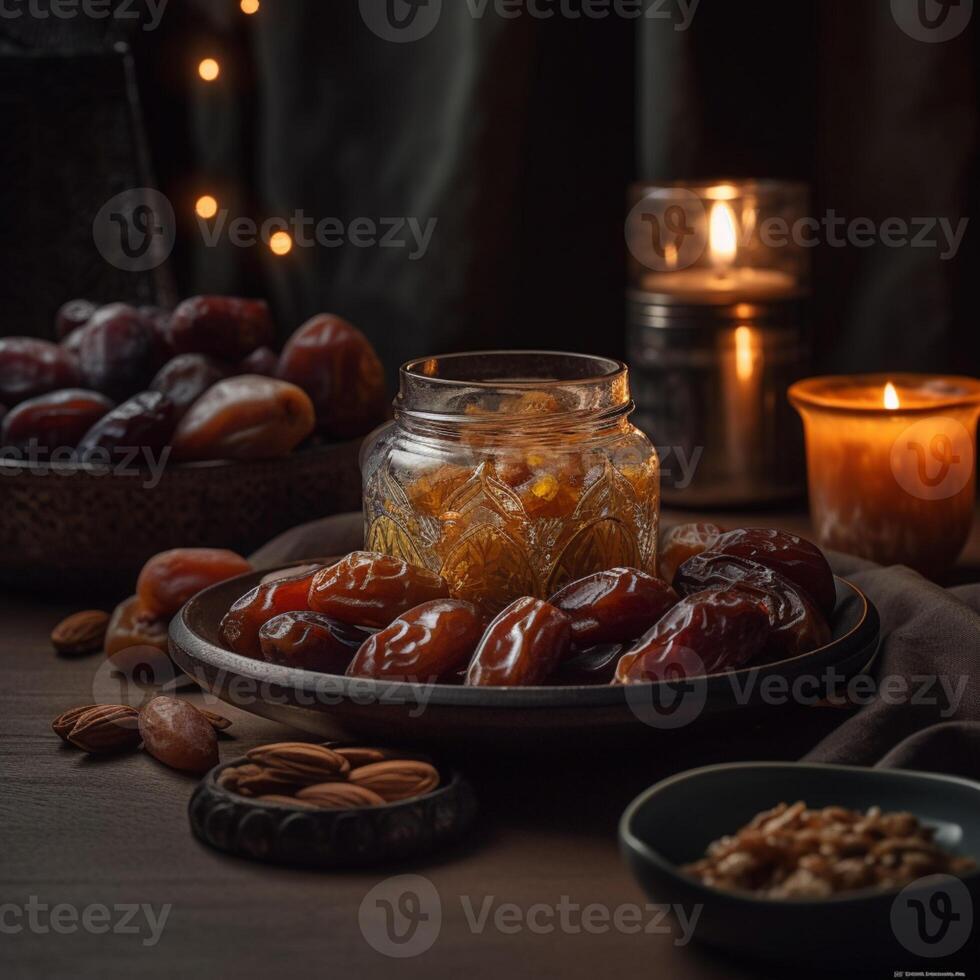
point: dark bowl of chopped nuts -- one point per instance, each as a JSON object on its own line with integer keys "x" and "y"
{"x": 819, "y": 863}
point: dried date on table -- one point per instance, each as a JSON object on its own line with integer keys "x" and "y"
{"x": 797, "y": 626}
{"x": 311, "y": 641}
{"x": 431, "y": 642}
{"x": 241, "y": 624}
{"x": 613, "y": 606}
{"x": 794, "y": 557}
{"x": 711, "y": 631}
{"x": 522, "y": 646}
{"x": 172, "y": 577}
{"x": 368, "y": 589}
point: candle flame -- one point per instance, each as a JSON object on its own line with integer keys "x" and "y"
{"x": 744, "y": 367}
{"x": 891, "y": 397}
{"x": 722, "y": 234}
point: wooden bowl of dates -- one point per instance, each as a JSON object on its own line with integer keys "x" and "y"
{"x": 875, "y": 890}
{"x": 495, "y": 695}
{"x": 276, "y": 832}
{"x": 144, "y": 430}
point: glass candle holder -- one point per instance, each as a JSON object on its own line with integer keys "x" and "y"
{"x": 891, "y": 465}
{"x": 718, "y": 275}
{"x": 512, "y": 473}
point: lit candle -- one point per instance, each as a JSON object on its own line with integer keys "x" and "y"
{"x": 891, "y": 465}
{"x": 721, "y": 278}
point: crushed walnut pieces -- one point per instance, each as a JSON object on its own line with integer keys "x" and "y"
{"x": 794, "y": 852}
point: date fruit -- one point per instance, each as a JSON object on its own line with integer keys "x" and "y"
{"x": 797, "y": 626}
{"x": 117, "y": 350}
{"x": 262, "y": 361}
{"x": 522, "y": 646}
{"x": 175, "y": 733}
{"x": 225, "y": 327}
{"x": 241, "y": 624}
{"x": 431, "y": 642}
{"x": 54, "y": 421}
{"x": 719, "y": 629}
{"x": 614, "y": 606}
{"x": 684, "y": 541}
{"x": 170, "y": 578}
{"x": 246, "y": 417}
{"x": 184, "y": 378}
{"x": 30, "y": 367}
{"x": 72, "y": 315}
{"x": 311, "y": 641}
{"x": 368, "y": 589}
{"x": 335, "y": 364}
{"x": 794, "y": 557}
{"x": 129, "y": 626}
{"x": 144, "y": 423}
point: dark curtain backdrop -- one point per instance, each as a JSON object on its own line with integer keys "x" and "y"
{"x": 520, "y": 137}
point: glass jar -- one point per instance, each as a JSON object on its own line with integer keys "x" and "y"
{"x": 512, "y": 473}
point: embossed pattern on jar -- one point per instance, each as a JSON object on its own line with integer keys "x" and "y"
{"x": 512, "y": 474}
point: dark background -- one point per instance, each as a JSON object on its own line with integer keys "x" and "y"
{"x": 519, "y": 136}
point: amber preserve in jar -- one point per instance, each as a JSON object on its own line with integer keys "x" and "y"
{"x": 512, "y": 473}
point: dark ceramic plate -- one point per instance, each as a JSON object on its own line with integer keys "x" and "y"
{"x": 281, "y": 834}
{"x": 672, "y": 823}
{"x": 74, "y": 527}
{"x": 354, "y": 708}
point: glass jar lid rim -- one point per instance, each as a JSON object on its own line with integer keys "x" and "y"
{"x": 414, "y": 369}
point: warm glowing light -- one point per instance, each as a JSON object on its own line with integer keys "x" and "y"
{"x": 722, "y": 234}
{"x": 891, "y": 397}
{"x": 744, "y": 366}
{"x": 249, "y": 6}
{"x": 206, "y": 206}
{"x": 209, "y": 69}
{"x": 281, "y": 243}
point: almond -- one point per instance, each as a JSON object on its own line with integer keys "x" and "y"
{"x": 306, "y": 762}
{"x": 266, "y": 781}
{"x": 65, "y": 722}
{"x": 397, "y": 779}
{"x": 106, "y": 728}
{"x": 218, "y": 722}
{"x": 82, "y": 632}
{"x": 339, "y": 796}
{"x": 178, "y": 735}
{"x": 358, "y": 756}
{"x": 231, "y": 777}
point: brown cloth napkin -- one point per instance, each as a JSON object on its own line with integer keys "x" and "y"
{"x": 925, "y": 710}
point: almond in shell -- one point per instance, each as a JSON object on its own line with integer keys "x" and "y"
{"x": 106, "y": 728}
{"x": 82, "y": 632}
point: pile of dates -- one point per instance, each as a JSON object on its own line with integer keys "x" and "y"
{"x": 201, "y": 379}
{"x": 734, "y": 598}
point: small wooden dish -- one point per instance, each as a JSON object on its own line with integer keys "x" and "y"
{"x": 279, "y": 834}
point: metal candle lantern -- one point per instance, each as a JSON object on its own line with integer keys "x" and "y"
{"x": 716, "y": 333}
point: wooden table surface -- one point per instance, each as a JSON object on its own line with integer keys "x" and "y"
{"x": 79, "y": 833}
